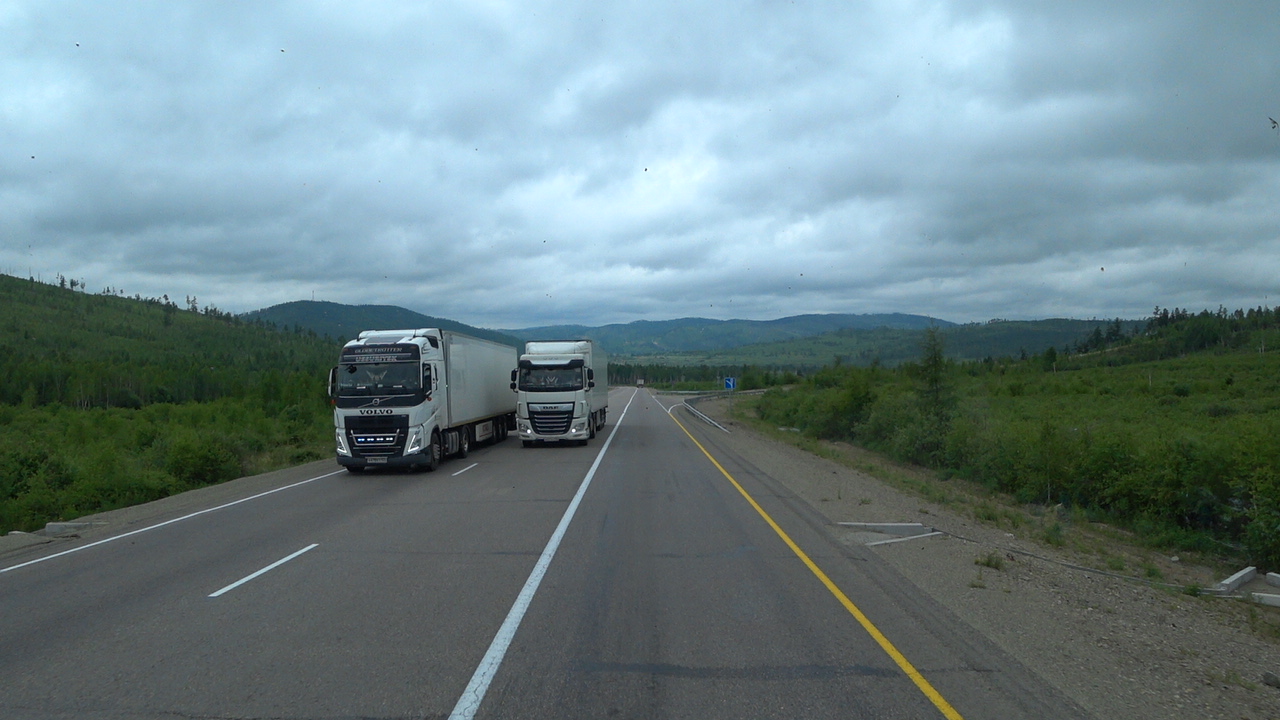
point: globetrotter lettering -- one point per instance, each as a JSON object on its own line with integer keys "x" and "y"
{"x": 377, "y": 411}
{"x": 380, "y": 354}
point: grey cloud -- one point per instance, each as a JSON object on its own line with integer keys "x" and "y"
{"x": 527, "y": 164}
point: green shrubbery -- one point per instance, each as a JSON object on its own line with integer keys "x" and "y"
{"x": 58, "y": 463}
{"x": 110, "y": 401}
{"x": 1185, "y": 450}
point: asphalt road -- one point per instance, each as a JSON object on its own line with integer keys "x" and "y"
{"x": 632, "y": 578}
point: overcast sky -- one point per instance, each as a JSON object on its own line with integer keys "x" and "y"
{"x": 517, "y": 164}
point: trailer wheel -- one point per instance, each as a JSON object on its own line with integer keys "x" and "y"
{"x": 464, "y": 442}
{"x": 435, "y": 452}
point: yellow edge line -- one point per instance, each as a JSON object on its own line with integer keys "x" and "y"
{"x": 934, "y": 696}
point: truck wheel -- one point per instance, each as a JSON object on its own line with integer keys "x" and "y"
{"x": 464, "y": 442}
{"x": 591, "y": 427}
{"x": 434, "y": 452}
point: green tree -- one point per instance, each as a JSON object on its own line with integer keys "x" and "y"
{"x": 936, "y": 400}
{"x": 1050, "y": 360}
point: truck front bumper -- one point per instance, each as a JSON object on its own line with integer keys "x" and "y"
{"x": 397, "y": 461}
{"x": 580, "y": 430}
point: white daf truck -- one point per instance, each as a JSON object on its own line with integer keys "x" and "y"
{"x": 562, "y": 391}
{"x": 408, "y": 398}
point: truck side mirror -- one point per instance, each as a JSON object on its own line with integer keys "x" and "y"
{"x": 513, "y": 386}
{"x": 591, "y": 374}
{"x": 513, "y": 376}
{"x": 591, "y": 383}
{"x": 333, "y": 382}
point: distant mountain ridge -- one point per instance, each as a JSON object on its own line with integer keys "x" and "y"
{"x": 650, "y": 337}
{"x": 642, "y": 337}
{"x": 893, "y": 346}
{"x": 799, "y": 341}
{"x": 347, "y": 321}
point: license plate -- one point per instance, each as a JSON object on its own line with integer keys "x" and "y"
{"x": 375, "y": 460}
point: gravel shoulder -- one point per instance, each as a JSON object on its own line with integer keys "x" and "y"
{"x": 1102, "y": 619}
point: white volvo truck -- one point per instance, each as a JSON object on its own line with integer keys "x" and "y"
{"x": 408, "y": 398}
{"x": 562, "y": 391}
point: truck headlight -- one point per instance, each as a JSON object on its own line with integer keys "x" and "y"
{"x": 415, "y": 442}
{"x": 341, "y": 439}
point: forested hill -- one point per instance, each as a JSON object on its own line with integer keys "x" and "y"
{"x": 340, "y": 321}
{"x": 892, "y": 346}
{"x": 83, "y": 350}
{"x": 645, "y": 337}
{"x": 110, "y": 401}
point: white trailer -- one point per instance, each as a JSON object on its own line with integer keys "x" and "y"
{"x": 408, "y": 398}
{"x": 562, "y": 391}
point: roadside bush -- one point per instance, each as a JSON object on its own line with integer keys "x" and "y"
{"x": 1262, "y": 533}
{"x": 1180, "y": 448}
{"x": 829, "y": 405}
{"x": 100, "y": 493}
{"x": 896, "y": 426}
{"x": 201, "y": 460}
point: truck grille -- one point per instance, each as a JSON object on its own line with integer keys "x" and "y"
{"x": 377, "y": 436}
{"x": 551, "y": 422}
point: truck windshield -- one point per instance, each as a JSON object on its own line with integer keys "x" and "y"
{"x": 550, "y": 379}
{"x": 394, "y": 378}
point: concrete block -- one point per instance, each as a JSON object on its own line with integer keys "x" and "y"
{"x": 65, "y": 528}
{"x": 1273, "y": 579}
{"x": 1267, "y": 599}
{"x": 900, "y": 539}
{"x": 1234, "y": 582}
{"x": 905, "y": 529}
{"x": 16, "y": 541}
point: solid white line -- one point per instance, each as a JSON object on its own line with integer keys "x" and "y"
{"x": 268, "y": 568}
{"x": 166, "y": 522}
{"x": 464, "y": 469}
{"x": 471, "y": 698}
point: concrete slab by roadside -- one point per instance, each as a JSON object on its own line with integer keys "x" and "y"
{"x": 1237, "y": 580}
{"x": 874, "y": 533}
{"x": 16, "y": 541}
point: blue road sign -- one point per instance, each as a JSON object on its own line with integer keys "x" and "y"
{"x": 730, "y": 383}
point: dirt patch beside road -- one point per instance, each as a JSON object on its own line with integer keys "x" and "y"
{"x": 1049, "y": 589}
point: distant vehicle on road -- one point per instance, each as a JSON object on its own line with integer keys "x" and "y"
{"x": 557, "y": 393}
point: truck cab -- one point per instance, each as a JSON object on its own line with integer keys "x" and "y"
{"x": 408, "y": 398}
{"x": 560, "y": 396}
